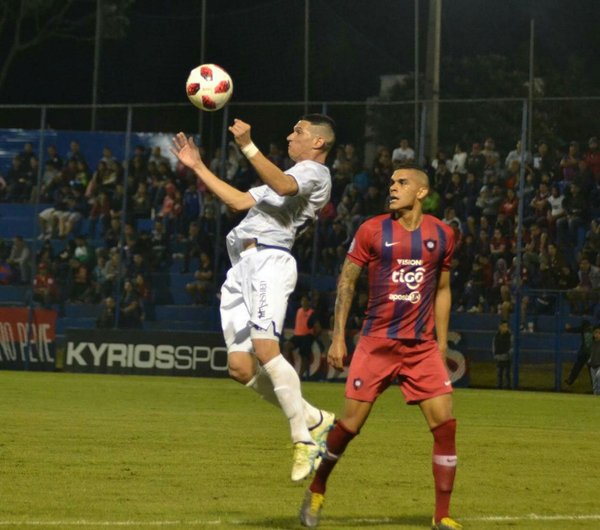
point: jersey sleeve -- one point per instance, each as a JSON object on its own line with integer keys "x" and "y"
{"x": 360, "y": 247}
{"x": 258, "y": 192}
{"x": 307, "y": 176}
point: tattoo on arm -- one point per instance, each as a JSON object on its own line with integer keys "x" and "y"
{"x": 345, "y": 292}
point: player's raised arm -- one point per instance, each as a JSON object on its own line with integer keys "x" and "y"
{"x": 187, "y": 152}
{"x": 343, "y": 302}
{"x": 280, "y": 182}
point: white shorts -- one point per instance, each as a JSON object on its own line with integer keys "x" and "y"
{"x": 254, "y": 297}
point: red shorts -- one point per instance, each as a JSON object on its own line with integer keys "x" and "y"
{"x": 377, "y": 363}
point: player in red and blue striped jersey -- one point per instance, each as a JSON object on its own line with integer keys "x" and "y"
{"x": 404, "y": 336}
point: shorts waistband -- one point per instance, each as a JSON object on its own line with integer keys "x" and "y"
{"x": 253, "y": 243}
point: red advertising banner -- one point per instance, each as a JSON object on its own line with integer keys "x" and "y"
{"x": 27, "y": 339}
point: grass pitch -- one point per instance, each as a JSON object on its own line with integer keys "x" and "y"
{"x": 98, "y": 451}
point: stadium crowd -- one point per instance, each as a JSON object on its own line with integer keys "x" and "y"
{"x": 164, "y": 216}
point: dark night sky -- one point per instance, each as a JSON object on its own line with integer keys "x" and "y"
{"x": 261, "y": 44}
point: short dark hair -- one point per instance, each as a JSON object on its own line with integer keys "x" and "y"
{"x": 319, "y": 119}
{"x": 322, "y": 120}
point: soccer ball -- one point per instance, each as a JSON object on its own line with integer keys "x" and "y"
{"x": 209, "y": 87}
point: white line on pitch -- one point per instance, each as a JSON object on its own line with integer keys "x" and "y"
{"x": 217, "y": 522}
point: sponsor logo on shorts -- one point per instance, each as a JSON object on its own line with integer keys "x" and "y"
{"x": 357, "y": 383}
{"x": 262, "y": 299}
{"x": 414, "y": 297}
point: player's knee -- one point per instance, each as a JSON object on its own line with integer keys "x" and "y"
{"x": 241, "y": 371}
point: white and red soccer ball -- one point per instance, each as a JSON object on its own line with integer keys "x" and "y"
{"x": 209, "y": 87}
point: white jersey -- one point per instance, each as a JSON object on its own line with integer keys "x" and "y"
{"x": 275, "y": 219}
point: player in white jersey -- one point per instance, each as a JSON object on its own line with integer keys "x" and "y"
{"x": 263, "y": 274}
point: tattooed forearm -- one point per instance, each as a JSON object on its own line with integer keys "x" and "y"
{"x": 345, "y": 293}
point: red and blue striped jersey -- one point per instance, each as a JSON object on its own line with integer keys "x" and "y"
{"x": 403, "y": 272}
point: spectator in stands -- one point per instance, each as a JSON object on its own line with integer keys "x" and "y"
{"x": 3, "y": 188}
{"x": 114, "y": 270}
{"x": 302, "y": 339}
{"x": 18, "y": 181}
{"x": 75, "y": 208}
{"x": 540, "y": 205}
{"x": 441, "y": 178}
{"x": 543, "y": 161}
{"x": 498, "y": 247}
{"x": 45, "y": 288}
{"x": 81, "y": 287}
{"x": 140, "y": 202}
{"x": 569, "y": 164}
{"x": 403, "y": 153}
{"x": 471, "y": 189}
{"x": 19, "y": 261}
{"x": 27, "y": 155}
{"x": 432, "y": 204}
{"x": 352, "y": 158}
{"x": 585, "y": 330}
{"x": 516, "y": 154}
{"x": 383, "y": 167}
{"x": 112, "y": 235}
{"x": 459, "y": 159}
{"x": 202, "y": 287}
{"x": 275, "y": 155}
{"x": 6, "y": 272}
{"x": 160, "y": 245}
{"x": 591, "y": 246}
{"x": 191, "y": 246}
{"x": 476, "y": 162}
{"x": 587, "y": 291}
{"x": 53, "y": 158}
{"x": 592, "y": 158}
{"x": 451, "y": 217}
{"x": 556, "y": 209}
{"x": 138, "y": 267}
{"x": 534, "y": 247}
{"x": 157, "y": 157}
{"x": 106, "y": 319}
{"x": 74, "y": 154}
{"x": 502, "y": 350}
{"x": 454, "y": 193}
{"x": 132, "y": 309}
{"x": 492, "y": 156}
{"x": 576, "y": 208}
{"x": 50, "y": 178}
{"x": 335, "y": 237}
{"x": 374, "y": 201}
{"x": 99, "y": 214}
{"x": 141, "y": 287}
{"x": 594, "y": 362}
{"x": 98, "y": 279}
{"x": 552, "y": 263}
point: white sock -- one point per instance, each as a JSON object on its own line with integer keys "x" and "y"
{"x": 286, "y": 385}
{"x": 261, "y": 383}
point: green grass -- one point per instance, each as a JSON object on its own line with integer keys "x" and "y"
{"x": 205, "y": 453}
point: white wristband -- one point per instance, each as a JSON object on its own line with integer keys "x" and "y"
{"x": 249, "y": 150}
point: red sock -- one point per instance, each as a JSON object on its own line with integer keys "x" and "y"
{"x": 444, "y": 466}
{"x": 337, "y": 440}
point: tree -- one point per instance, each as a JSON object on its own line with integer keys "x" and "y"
{"x": 494, "y": 78}
{"x": 26, "y": 24}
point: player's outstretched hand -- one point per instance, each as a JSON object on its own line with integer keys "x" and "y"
{"x": 186, "y": 150}
{"x": 336, "y": 354}
{"x": 241, "y": 132}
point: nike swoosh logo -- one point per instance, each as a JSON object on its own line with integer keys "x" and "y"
{"x": 447, "y": 383}
{"x": 388, "y": 244}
